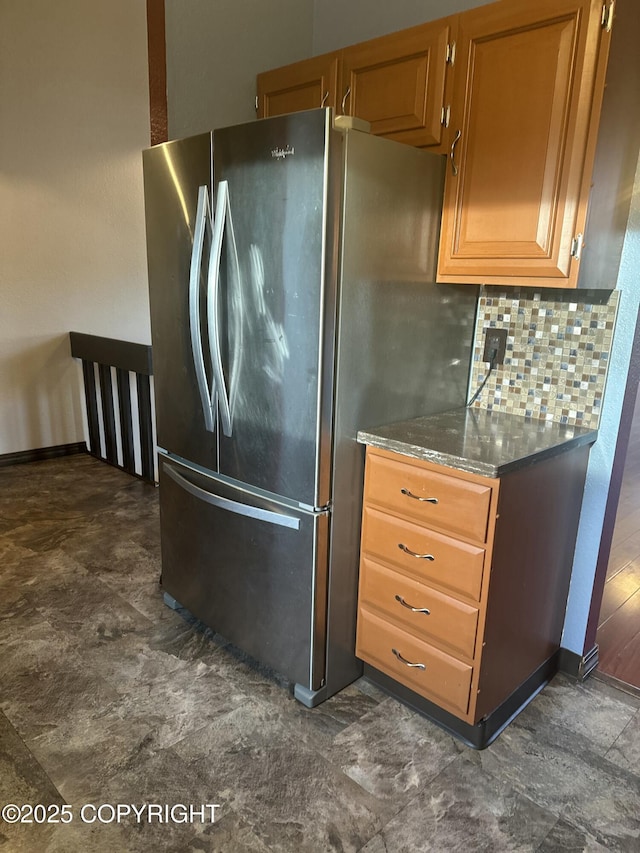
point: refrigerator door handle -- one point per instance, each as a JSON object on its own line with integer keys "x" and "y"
{"x": 207, "y": 397}
{"x": 222, "y": 216}
{"x": 281, "y": 519}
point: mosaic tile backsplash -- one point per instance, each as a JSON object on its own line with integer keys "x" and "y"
{"x": 558, "y": 349}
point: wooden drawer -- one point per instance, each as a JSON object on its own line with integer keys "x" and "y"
{"x": 455, "y": 565}
{"x": 434, "y": 499}
{"x": 439, "y": 677}
{"x": 446, "y": 620}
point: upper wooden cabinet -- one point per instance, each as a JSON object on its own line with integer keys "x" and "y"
{"x": 302, "y": 86}
{"x": 397, "y": 83}
{"x": 527, "y": 96}
{"x": 512, "y": 92}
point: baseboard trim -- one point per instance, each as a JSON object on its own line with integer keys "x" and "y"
{"x": 483, "y": 733}
{"x": 41, "y": 453}
{"x": 578, "y": 666}
{"x": 598, "y": 675}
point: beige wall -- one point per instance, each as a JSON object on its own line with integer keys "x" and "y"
{"x": 74, "y": 115}
{"x": 338, "y": 23}
{"x": 215, "y": 49}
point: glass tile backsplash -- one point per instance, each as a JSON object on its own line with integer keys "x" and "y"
{"x": 558, "y": 350}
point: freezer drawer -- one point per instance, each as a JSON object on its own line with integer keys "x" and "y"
{"x": 250, "y": 568}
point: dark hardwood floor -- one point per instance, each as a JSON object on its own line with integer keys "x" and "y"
{"x": 619, "y": 624}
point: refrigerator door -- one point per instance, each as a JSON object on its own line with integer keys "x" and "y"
{"x": 252, "y": 569}
{"x": 177, "y": 178}
{"x": 275, "y": 303}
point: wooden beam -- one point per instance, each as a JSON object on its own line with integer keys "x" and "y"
{"x": 157, "y": 57}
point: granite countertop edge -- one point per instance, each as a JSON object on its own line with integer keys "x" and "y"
{"x": 426, "y": 449}
{"x": 460, "y": 463}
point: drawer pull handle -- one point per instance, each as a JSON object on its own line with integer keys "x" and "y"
{"x": 412, "y": 609}
{"x": 413, "y": 553}
{"x": 416, "y": 498}
{"x": 407, "y": 662}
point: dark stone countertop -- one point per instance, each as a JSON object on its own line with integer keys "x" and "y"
{"x": 486, "y": 443}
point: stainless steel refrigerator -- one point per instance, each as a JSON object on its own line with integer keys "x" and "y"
{"x": 291, "y": 269}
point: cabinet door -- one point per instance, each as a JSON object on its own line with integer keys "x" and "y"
{"x": 527, "y": 96}
{"x": 397, "y": 83}
{"x": 301, "y": 86}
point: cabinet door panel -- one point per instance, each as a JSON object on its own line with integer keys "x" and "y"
{"x": 397, "y": 83}
{"x": 526, "y": 87}
{"x": 301, "y": 86}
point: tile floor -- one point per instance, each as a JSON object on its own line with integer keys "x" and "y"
{"x": 108, "y": 697}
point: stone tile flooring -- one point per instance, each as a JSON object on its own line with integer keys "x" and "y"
{"x": 108, "y": 697}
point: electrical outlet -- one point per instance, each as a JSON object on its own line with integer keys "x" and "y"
{"x": 495, "y": 345}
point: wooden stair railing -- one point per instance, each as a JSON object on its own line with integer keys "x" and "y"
{"x": 121, "y": 422}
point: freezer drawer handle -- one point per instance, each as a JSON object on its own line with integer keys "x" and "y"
{"x": 233, "y": 506}
{"x": 424, "y": 610}
{"x": 413, "y": 553}
{"x": 407, "y": 662}
{"x": 207, "y": 397}
{"x": 417, "y": 498}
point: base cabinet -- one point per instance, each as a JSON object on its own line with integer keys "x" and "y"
{"x": 464, "y": 581}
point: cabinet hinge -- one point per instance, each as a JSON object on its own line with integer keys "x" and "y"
{"x": 256, "y": 103}
{"x": 576, "y": 246}
{"x": 445, "y": 116}
{"x": 451, "y": 53}
{"x": 607, "y": 15}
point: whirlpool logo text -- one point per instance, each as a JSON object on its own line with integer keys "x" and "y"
{"x": 282, "y": 153}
